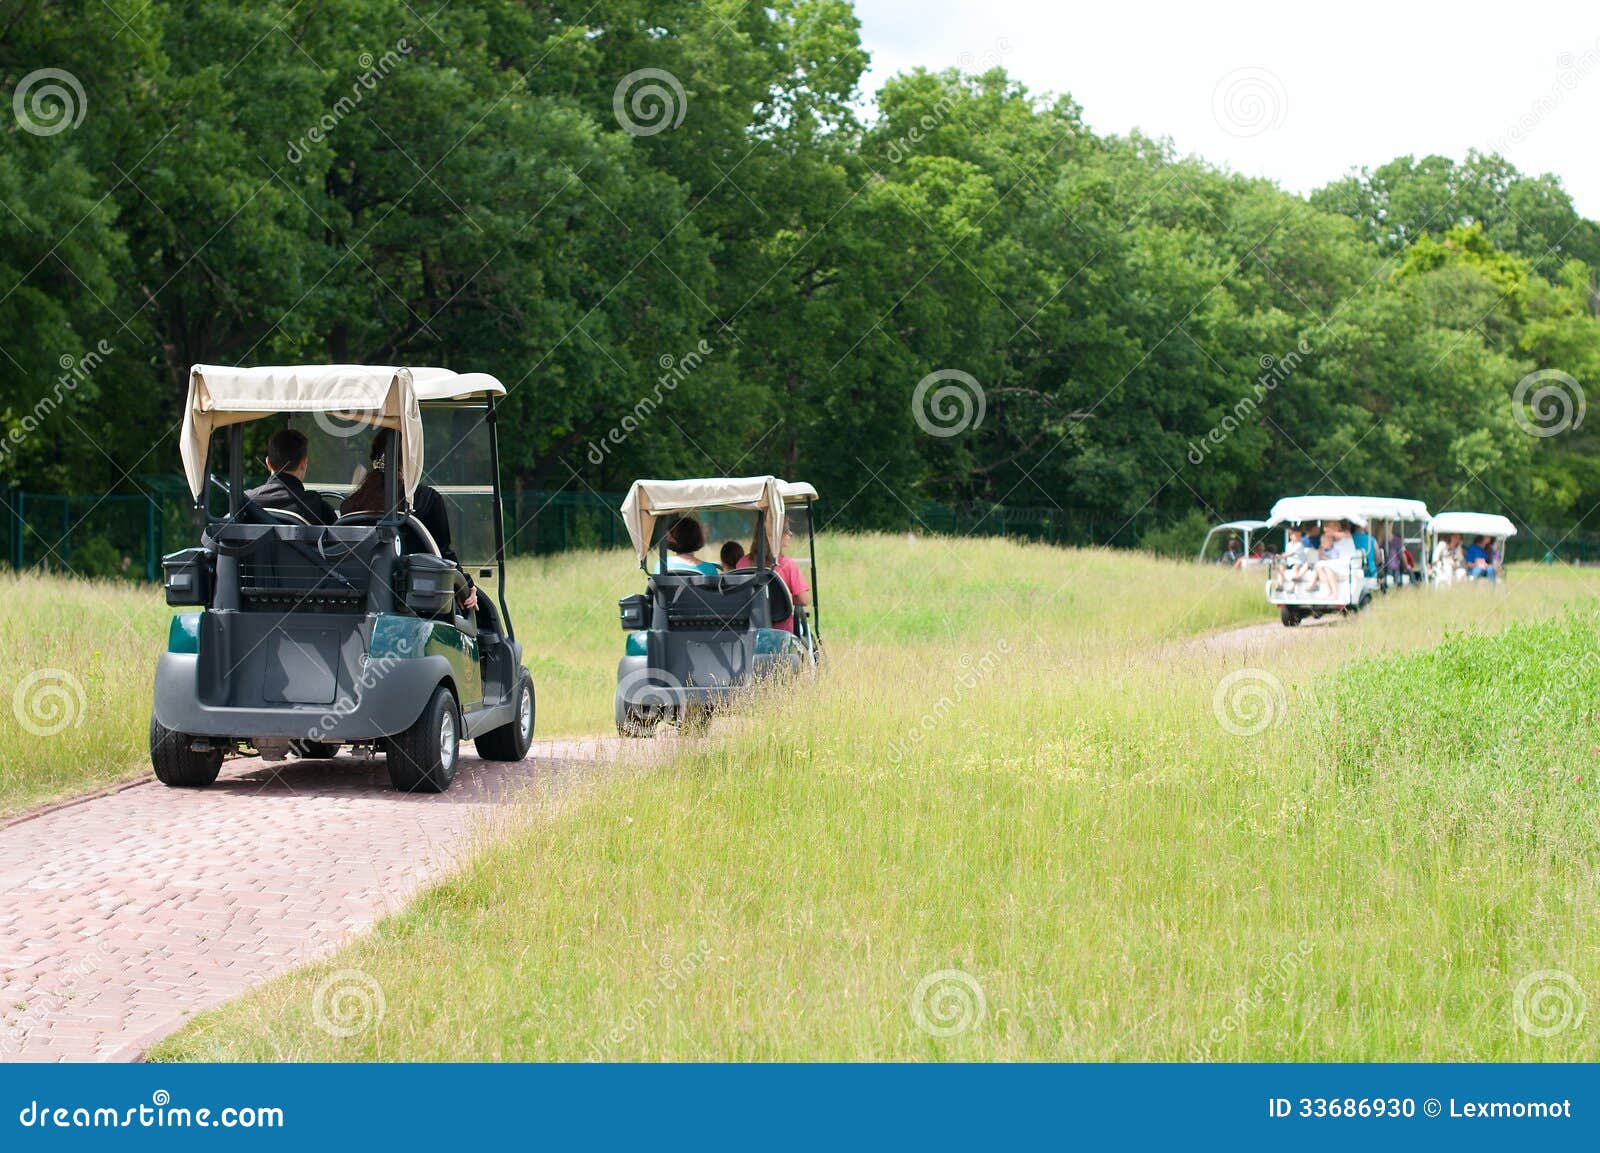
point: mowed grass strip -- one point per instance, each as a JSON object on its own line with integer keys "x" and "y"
{"x": 1018, "y": 828}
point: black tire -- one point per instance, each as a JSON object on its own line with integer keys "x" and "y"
{"x": 424, "y": 758}
{"x": 1289, "y": 616}
{"x": 631, "y": 720}
{"x": 510, "y": 742}
{"x": 1364, "y": 603}
{"x": 315, "y": 750}
{"x": 177, "y": 765}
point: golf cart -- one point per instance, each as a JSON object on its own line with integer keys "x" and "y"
{"x": 695, "y": 639}
{"x": 309, "y": 637}
{"x": 1442, "y": 570}
{"x": 1243, "y": 530}
{"x": 1345, "y": 586}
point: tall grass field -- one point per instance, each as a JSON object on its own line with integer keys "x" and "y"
{"x": 1032, "y": 810}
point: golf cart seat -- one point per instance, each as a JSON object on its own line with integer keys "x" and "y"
{"x": 734, "y": 602}
{"x": 416, "y": 536}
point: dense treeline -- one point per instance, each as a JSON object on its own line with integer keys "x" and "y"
{"x": 670, "y": 229}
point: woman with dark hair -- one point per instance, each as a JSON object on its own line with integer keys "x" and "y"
{"x": 685, "y": 538}
{"x": 426, "y": 505}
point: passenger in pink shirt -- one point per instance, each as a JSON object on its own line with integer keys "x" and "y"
{"x": 789, "y": 571}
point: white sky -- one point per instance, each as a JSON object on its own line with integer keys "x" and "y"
{"x": 1339, "y": 85}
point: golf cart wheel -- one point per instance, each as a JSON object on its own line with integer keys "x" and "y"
{"x": 423, "y": 759}
{"x": 315, "y": 750}
{"x": 632, "y": 721}
{"x": 1288, "y": 616}
{"x": 1364, "y": 603}
{"x": 510, "y": 741}
{"x": 176, "y": 764}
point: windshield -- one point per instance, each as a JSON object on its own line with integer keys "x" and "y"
{"x": 456, "y": 461}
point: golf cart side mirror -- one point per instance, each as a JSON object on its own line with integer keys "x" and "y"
{"x": 189, "y": 576}
{"x": 431, "y": 583}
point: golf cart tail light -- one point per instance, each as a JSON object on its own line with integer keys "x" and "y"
{"x": 180, "y": 582}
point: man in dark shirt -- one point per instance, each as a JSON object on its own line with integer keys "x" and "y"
{"x": 286, "y": 488}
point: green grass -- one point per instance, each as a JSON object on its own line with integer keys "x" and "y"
{"x": 76, "y": 659}
{"x": 1015, "y": 769}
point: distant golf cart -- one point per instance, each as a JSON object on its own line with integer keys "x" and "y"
{"x": 310, "y": 637}
{"x": 1213, "y": 550}
{"x": 1386, "y": 521}
{"x": 695, "y": 639}
{"x": 1443, "y": 572}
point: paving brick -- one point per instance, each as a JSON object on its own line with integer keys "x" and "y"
{"x": 122, "y": 916}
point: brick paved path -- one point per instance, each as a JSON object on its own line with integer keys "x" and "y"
{"x": 122, "y": 915}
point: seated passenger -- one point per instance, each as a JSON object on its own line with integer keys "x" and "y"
{"x": 1363, "y": 541}
{"x": 1477, "y": 558}
{"x": 1333, "y": 563}
{"x": 732, "y": 554}
{"x": 1398, "y": 561}
{"x": 685, "y": 539}
{"x": 285, "y": 489}
{"x": 789, "y": 572}
{"x": 426, "y": 505}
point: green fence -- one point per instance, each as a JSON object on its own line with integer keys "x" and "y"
{"x": 98, "y": 535}
{"x": 126, "y": 534}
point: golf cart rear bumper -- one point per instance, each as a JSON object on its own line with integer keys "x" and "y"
{"x": 379, "y": 706}
{"x": 641, "y": 686}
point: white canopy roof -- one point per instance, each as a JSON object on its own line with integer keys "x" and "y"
{"x": 794, "y": 490}
{"x": 1361, "y": 509}
{"x": 1474, "y": 524}
{"x": 648, "y": 499}
{"x": 383, "y": 396}
{"x": 1239, "y": 525}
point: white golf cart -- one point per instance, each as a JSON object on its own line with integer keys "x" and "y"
{"x": 1444, "y": 536}
{"x": 1223, "y": 534}
{"x": 1304, "y": 587}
